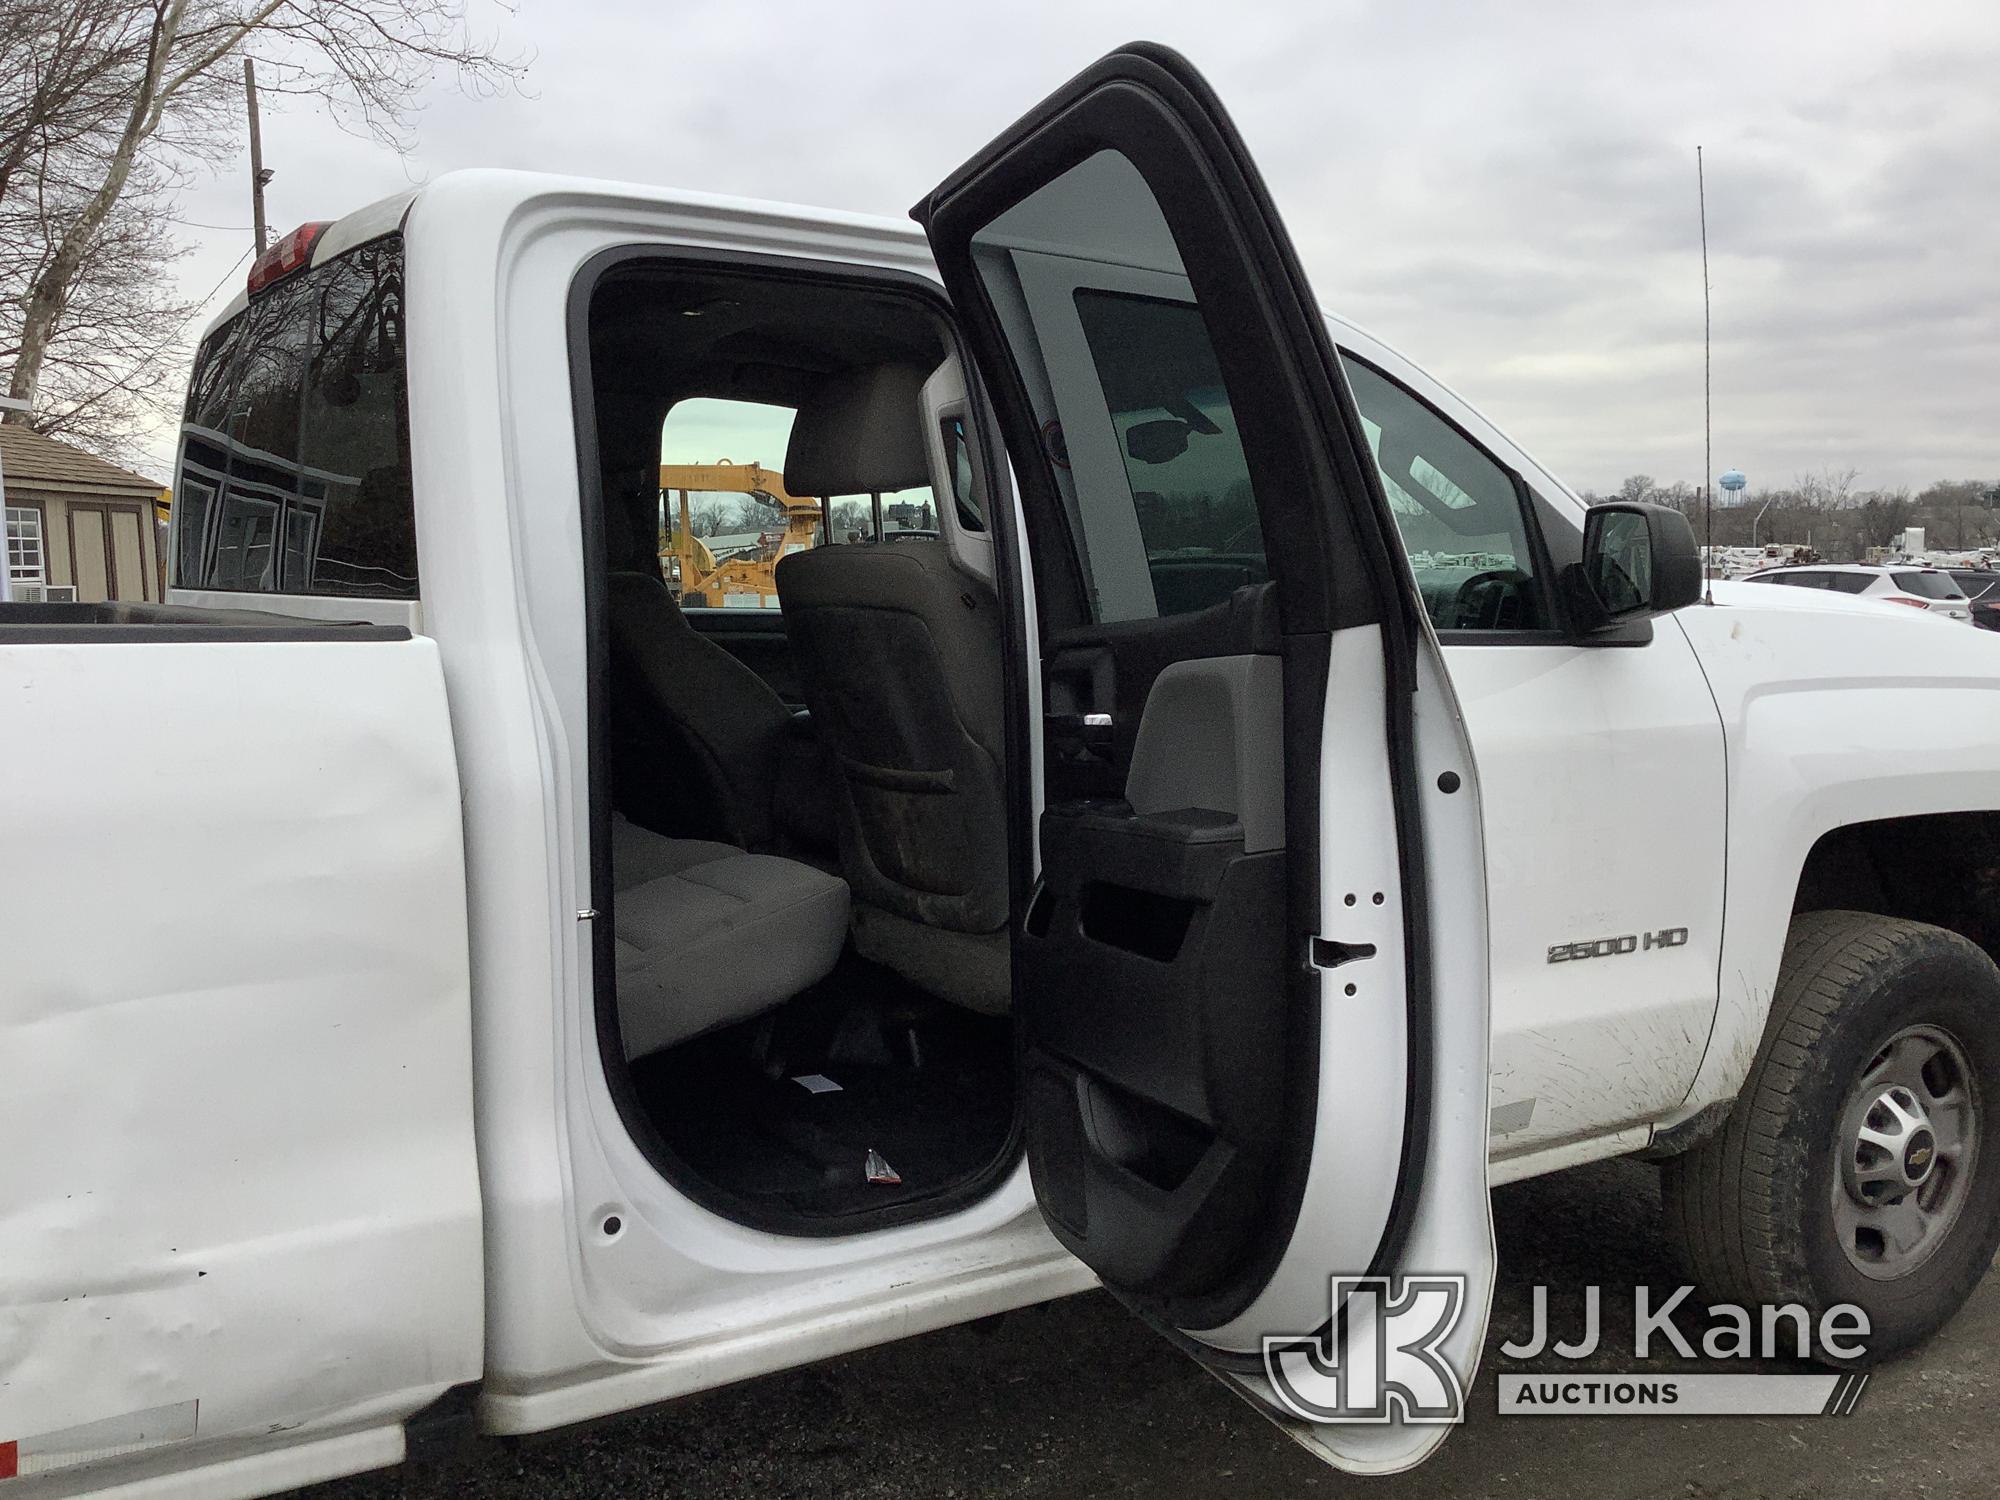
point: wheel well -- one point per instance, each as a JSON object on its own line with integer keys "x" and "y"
{"x": 1942, "y": 868}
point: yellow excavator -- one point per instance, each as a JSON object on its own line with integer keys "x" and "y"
{"x": 692, "y": 570}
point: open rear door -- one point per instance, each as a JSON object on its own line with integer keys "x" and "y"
{"x": 1251, "y": 977}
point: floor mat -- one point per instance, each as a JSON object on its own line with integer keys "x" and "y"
{"x": 790, "y": 1112}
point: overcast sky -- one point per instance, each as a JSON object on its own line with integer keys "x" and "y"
{"x": 1505, "y": 191}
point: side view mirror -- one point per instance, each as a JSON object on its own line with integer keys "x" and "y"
{"x": 1157, "y": 442}
{"x": 1638, "y": 560}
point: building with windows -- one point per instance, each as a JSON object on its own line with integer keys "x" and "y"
{"x": 77, "y": 527}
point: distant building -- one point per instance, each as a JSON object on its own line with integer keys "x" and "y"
{"x": 77, "y": 527}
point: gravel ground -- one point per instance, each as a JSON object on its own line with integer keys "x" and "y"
{"x": 1074, "y": 1398}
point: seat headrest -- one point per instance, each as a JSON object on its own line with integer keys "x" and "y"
{"x": 859, "y": 432}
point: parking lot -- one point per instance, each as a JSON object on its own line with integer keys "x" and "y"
{"x": 1075, "y": 1398}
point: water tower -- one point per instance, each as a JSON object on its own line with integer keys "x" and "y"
{"x": 1733, "y": 482}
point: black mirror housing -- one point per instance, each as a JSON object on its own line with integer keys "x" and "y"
{"x": 1639, "y": 560}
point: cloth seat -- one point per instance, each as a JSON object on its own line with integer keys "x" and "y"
{"x": 898, "y": 652}
{"x": 695, "y": 734}
{"x": 707, "y": 935}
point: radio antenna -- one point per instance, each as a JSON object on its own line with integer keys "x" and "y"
{"x": 1707, "y": 408}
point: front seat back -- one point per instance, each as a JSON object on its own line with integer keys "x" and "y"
{"x": 899, "y": 653}
{"x": 695, "y": 734}
{"x": 898, "y": 650}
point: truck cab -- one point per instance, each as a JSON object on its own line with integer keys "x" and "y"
{"x": 1260, "y": 810}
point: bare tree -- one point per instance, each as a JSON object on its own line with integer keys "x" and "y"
{"x": 1829, "y": 489}
{"x": 109, "y": 86}
{"x": 852, "y": 517}
{"x": 1883, "y": 514}
{"x": 108, "y": 362}
{"x": 708, "y": 515}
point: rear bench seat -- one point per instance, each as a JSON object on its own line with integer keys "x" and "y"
{"x": 707, "y": 934}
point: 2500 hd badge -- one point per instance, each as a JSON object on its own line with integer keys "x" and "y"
{"x": 1613, "y": 947}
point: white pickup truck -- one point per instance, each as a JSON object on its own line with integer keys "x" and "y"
{"x": 1255, "y": 810}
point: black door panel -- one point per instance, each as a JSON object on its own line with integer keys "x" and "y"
{"x": 1155, "y": 1126}
{"x": 1109, "y": 670}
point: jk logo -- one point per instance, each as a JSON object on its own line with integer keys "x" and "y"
{"x": 1380, "y": 1361}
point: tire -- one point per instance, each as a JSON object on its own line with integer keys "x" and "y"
{"x": 1781, "y": 1205}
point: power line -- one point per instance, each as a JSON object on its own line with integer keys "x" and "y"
{"x": 175, "y": 332}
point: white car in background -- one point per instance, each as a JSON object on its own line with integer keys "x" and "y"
{"x": 1933, "y": 589}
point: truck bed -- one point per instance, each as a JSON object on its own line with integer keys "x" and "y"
{"x": 70, "y": 624}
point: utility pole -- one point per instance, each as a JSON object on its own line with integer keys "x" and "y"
{"x": 258, "y": 176}
{"x": 1707, "y": 420}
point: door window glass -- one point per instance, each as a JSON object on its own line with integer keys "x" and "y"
{"x": 958, "y": 462}
{"x": 1457, "y": 508}
{"x": 1187, "y": 479}
{"x": 1134, "y": 417}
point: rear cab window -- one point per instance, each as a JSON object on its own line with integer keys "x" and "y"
{"x": 719, "y": 547}
{"x": 294, "y": 471}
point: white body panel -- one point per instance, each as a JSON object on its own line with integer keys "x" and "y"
{"x": 581, "y": 1324}
{"x": 1602, "y": 778}
{"x": 1601, "y": 771}
{"x": 236, "y": 1022}
{"x": 1836, "y": 711}
{"x": 1773, "y": 717}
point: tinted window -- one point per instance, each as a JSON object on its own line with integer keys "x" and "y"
{"x": 349, "y": 530}
{"x": 1850, "y": 583}
{"x": 1165, "y": 486}
{"x": 295, "y": 459}
{"x": 1926, "y": 585}
{"x": 1190, "y": 483}
{"x": 1800, "y": 580}
{"x": 958, "y": 460}
{"x": 1457, "y": 509}
{"x": 1976, "y": 585}
{"x": 204, "y": 464}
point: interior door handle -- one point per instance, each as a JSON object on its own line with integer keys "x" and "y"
{"x": 1081, "y": 735}
{"x": 1090, "y": 727}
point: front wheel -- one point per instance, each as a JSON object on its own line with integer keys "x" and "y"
{"x": 1861, "y": 1162}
